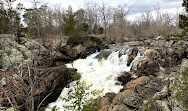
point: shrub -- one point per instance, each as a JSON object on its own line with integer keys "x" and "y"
{"x": 101, "y": 30}
{"x": 79, "y": 95}
{"x": 152, "y": 105}
{"x": 182, "y": 93}
{"x": 85, "y": 27}
{"x": 97, "y": 40}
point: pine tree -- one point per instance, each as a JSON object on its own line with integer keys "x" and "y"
{"x": 69, "y": 19}
{"x": 183, "y": 19}
{"x": 9, "y": 18}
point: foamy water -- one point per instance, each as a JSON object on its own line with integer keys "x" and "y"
{"x": 101, "y": 74}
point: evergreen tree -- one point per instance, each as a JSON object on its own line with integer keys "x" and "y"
{"x": 183, "y": 19}
{"x": 33, "y": 20}
{"x": 3, "y": 19}
{"x": 9, "y": 18}
{"x": 74, "y": 24}
{"x": 69, "y": 22}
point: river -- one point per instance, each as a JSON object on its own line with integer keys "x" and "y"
{"x": 99, "y": 74}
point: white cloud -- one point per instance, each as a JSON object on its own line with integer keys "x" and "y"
{"x": 171, "y": 11}
{"x": 136, "y": 6}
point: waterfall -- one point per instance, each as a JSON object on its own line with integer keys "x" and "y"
{"x": 101, "y": 74}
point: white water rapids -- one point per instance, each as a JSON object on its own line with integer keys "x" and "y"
{"x": 101, "y": 74}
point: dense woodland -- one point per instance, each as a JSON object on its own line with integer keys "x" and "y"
{"x": 100, "y": 18}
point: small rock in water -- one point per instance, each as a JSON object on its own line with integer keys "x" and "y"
{"x": 103, "y": 54}
{"x": 124, "y": 78}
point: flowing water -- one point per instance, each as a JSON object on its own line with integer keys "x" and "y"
{"x": 100, "y": 74}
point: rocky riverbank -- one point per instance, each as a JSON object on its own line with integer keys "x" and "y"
{"x": 150, "y": 83}
{"x": 150, "y": 93}
{"x": 156, "y": 81}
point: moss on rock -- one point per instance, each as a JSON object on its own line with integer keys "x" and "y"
{"x": 180, "y": 90}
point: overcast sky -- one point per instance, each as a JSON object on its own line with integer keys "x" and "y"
{"x": 136, "y": 6}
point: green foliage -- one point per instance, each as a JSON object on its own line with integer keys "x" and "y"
{"x": 85, "y": 40}
{"x": 34, "y": 21}
{"x": 75, "y": 76}
{"x": 97, "y": 29}
{"x": 73, "y": 26}
{"x": 97, "y": 40}
{"x": 84, "y": 27}
{"x": 69, "y": 19}
{"x": 4, "y": 21}
{"x": 180, "y": 36}
{"x": 78, "y": 97}
{"x": 182, "y": 94}
{"x": 185, "y": 4}
{"x": 9, "y": 19}
{"x": 101, "y": 30}
{"x": 80, "y": 102}
{"x": 75, "y": 40}
{"x": 184, "y": 18}
{"x": 152, "y": 105}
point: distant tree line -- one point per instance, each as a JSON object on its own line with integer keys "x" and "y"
{"x": 97, "y": 19}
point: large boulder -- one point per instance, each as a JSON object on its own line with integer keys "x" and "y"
{"x": 128, "y": 98}
{"x": 40, "y": 86}
{"x": 15, "y": 55}
{"x": 149, "y": 89}
{"x": 135, "y": 93}
{"x": 124, "y": 78}
{"x": 139, "y": 81}
{"x": 80, "y": 47}
{"x": 145, "y": 66}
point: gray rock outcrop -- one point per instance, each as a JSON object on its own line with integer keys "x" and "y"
{"x": 15, "y": 55}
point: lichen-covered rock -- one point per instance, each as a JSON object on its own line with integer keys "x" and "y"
{"x": 12, "y": 59}
{"x": 15, "y": 55}
{"x": 180, "y": 90}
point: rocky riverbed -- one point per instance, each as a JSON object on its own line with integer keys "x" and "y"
{"x": 154, "y": 81}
